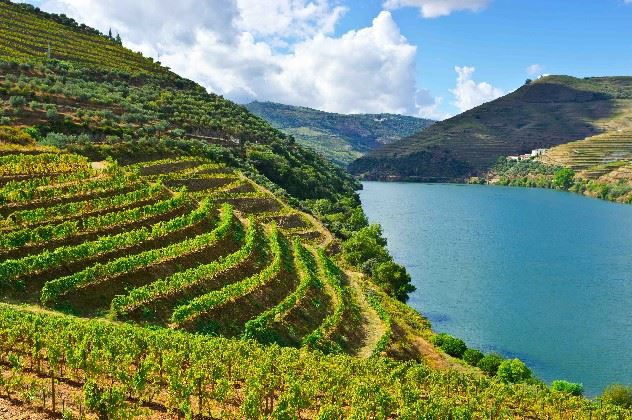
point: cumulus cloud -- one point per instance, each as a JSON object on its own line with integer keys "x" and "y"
{"x": 536, "y": 69}
{"x": 368, "y": 70}
{"x": 283, "y": 18}
{"x": 437, "y": 8}
{"x": 468, "y": 94}
{"x": 278, "y": 50}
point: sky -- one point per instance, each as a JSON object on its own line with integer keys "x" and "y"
{"x": 426, "y": 58}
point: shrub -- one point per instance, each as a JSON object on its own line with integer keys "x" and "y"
{"x": 618, "y": 394}
{"x": 472, "y": 356}
{"x": 564, "y": 178}
{"x": 513, "y": 371}
{"x": 490, "y": 363}
{"x": 17, "y": 101}
{"x": 453, "y": 346}
{"x": 51, "y": 113}
{"x": 14, "y": 135}
{"x": 567, "y": 387}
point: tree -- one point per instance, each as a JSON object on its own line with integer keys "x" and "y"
{"x": 472, "y": 356}
{"x": 118, "y": 39}
{"x": 490, "y": 363}
{"x": 366, "y": 244}
{"x": 513, "y": 371}
{"x": 394, "y": 279}
{"x": 564, "y": 178}
{"x": 367, "y": 249}
{"x": 453, "y": 346}
{"x": 110, "y": 33}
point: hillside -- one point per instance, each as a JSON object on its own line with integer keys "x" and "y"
{"x": 548, "y": 112}
{"x": 189, "y": 245}
{"x": 164, "y": 253}
{"x": 339, "y": 137}
{"x": 118, "y": 97}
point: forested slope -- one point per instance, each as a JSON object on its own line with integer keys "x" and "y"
{"x": 341, "y": 138}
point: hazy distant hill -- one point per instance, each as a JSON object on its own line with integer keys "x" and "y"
{"x": 551, "y": 111}
{"x": 340, "y": 137}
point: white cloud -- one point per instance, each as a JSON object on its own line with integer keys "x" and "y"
{"x": 437, "y": 8}
{"x": 536, "y": 69}
{"x": 369, "y": 70}
{"x": 468, "y": 94}
{"x": 283, "y": 18}
{"x": 278, "y": 50}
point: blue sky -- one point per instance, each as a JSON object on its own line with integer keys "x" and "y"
{"x": 370, "y": 55}
{"x": 574, "y": 37}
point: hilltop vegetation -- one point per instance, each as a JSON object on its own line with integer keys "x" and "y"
{"x": 548, "y": 112}
{"x": 340, "y": 138}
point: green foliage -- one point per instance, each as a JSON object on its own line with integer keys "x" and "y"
{"x": 17, "y": 101}
{"x": 257, "y": 328}
{"x": 205, "y": 303}
{"x": 472, "y": 356}
{"x": 106, "y": 403}
{"x": 14, "y": 135}
{"x": 140, "y": 296}
{"x": 455, "y": 347}
{"x": 343, "y": 216}
{"x": 490, "y": 363}
{"x": 54, "y": 289}
{"x": 11, "y": 269}
{"x": 546, "y": 113}
{"x": 340, "y": 138}
{"x": 564, "y": 178}
{"x": 617, "y": 394}
{"x": 394, "y": 279}
{"x": 513, "y": 371}
{"x": 175, "y": 368}
{"x": 321, "y": 337}
{"x": 364, "y": 245}
{"x": 56, "y": 231}
{"x": 366, "y": 248}
{"x": 567, "y": 387}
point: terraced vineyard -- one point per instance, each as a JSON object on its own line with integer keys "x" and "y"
{"x": 547, "y": 113}
{"x": 178, "y": 237}
{"x": 191, "y": 245}
{"x": 28, "y": 36}
{"x": 594, "y": 156}
{"x": 151, "y": 264}
{"x": 182, "y": 243}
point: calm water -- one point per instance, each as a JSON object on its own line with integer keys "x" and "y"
{"x": 542, "y": 275}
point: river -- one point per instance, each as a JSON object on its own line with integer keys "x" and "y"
{"x": 542, "y": 275}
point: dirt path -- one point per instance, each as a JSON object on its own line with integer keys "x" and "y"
{"x": 17, "y": 411}
{"x": 371, "y": 322}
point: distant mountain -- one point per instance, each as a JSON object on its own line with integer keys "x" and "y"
{"x": 548, "y": 112}
{"x": 340, "y": 137}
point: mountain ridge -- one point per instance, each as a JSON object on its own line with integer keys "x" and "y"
{"x": 548, "y": 112}
{"x": 339, "y": 137}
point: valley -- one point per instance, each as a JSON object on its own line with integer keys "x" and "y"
{"x": 167, "y": 253}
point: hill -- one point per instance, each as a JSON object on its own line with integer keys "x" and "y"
{"x": 163, "y": 253}
{"x": 341, "y": 138}
{"x": 111, "y": 95}
{"x": 545, "y": 113}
